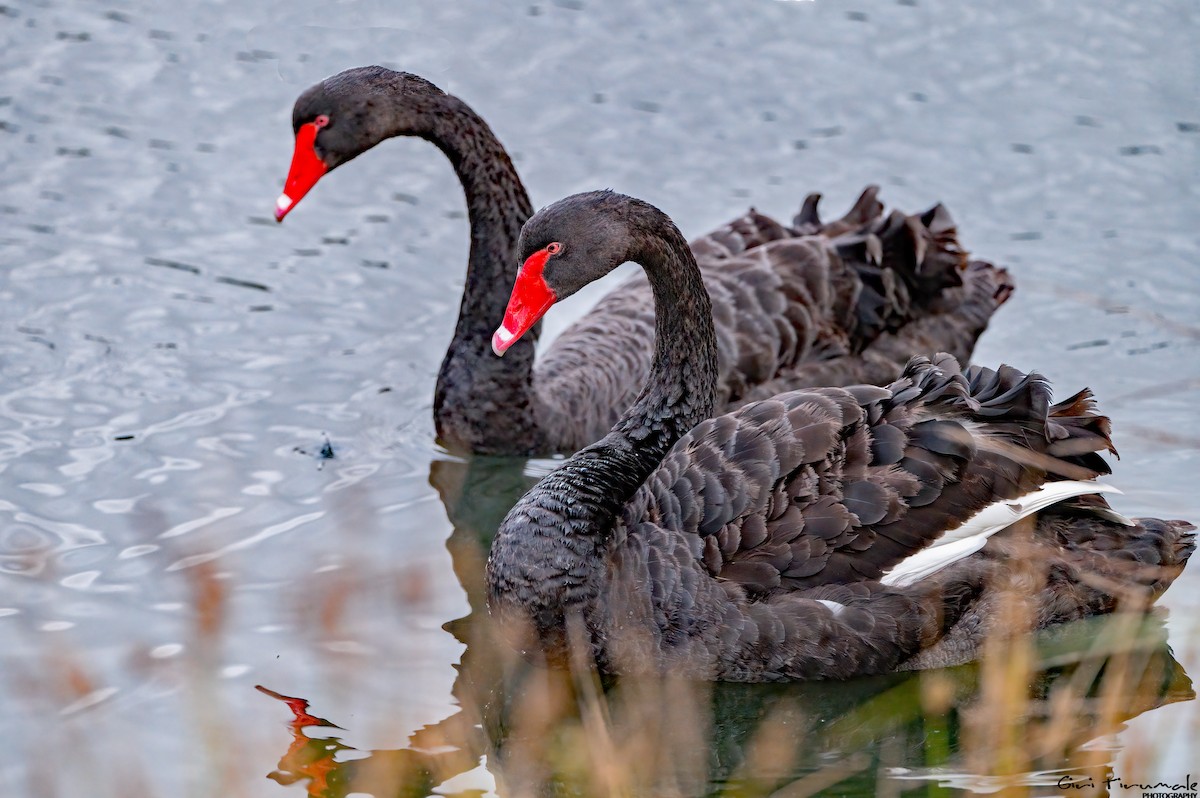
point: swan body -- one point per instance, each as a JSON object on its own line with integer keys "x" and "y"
{"x": 819, "y": 533}
{"x": 810, "y": 303}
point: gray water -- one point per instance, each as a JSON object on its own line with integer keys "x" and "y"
{"x": 173, "y": 362}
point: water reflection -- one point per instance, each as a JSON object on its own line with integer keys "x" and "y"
{"x": 525, "y": 730}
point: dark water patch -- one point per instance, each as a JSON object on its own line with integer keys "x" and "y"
{"x": 306, "y": 252}
{"x": 186, "y": 297}
{"x": 44, "y": 229}
{"x": 1141, "y": 149}
{"x": 1142, "y": 350}
{"x": 376, "y": 218}
{"x": 266, "y": 221}
{"x": 160, "y": 144}
{"x": 260, "y": 308}
{"x": 570, "y": 5}
{"x": 118, "y": 16}
{"x": 647, "y": 106}
{"x": 1086, "y": 121}
{"x": 829, "y": 132}
{"x": 160, "y": 35}
{"x": 9, "y": 11}
{"x": 243, "y": 283}
{"x": 65, "y": 36}
{"x": 9, "y": 127}
{"x": 172, "y": 264}
{"x": 856, "y": 16}
{"x": 335, "y": 240}
{"x": 799, "y": 144}
{"x": 375, "y": 264}
{"x": 455, "y": 214}
{"x": 117, "y": 132}
{"x": 206, "y": 147}
{"x": 51, "y": 80}
{"x": 46, "y": 342}
{"x": 1024, "y": 149}
{"x": 257, "y": 55}
{"x": 1088, "y": 344}
{"x": 1028, "y": 235}
{"x": 21, "y": 328}
{"x": 917, "y": 96}
{"x": 1188, "y": 127}
{"x": 598, "y": 98}
{"x": 123, "y": 437}
{"x": 409, "y": 199}
{"x": 73, "y": 152}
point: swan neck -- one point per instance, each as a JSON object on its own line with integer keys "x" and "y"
{"x": 681, "y": 388}
{"x": 548, "y": 558}
{"x": 483, "y": 404}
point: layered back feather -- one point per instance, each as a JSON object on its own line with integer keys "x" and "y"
{"x": 793, "y": 307}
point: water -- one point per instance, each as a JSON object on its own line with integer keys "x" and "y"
{"x": 173, "y": 361}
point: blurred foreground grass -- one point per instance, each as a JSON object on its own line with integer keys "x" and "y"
{"x": 1013, "y": 724}
{"x": 1024, "y": 720}
{"x": 1037, "y": 712}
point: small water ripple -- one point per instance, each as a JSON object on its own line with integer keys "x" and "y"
{"x": 245, "y": 543}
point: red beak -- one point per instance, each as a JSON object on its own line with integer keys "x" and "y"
{"x": 531, "y": 298}
{"x": 307, "y": 169}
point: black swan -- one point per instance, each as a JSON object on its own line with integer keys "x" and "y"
{"x": 811, "y": 304}
{"x": 822, "y": 533}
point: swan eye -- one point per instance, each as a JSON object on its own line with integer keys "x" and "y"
{"x": 554, "y": 248}
{"x": 321, "y": 121}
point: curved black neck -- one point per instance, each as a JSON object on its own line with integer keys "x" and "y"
{"x": 680, "y": 390}
{"x": 482, "y": 404}
{"x": 548, "y": 554}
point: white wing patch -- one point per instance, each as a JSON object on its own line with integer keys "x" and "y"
{"x": 974, "y": 533}
{"x": 835, "y": 607}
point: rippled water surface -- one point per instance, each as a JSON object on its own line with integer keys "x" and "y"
{"x": 174, "y": 364}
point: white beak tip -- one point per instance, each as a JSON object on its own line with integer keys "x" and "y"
{"x": 282, "y": 206}
{"x": 501, "y": 340}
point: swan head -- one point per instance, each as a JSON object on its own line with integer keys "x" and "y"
{"x": 562, "y": 248}
{"x": 347, "y": 114}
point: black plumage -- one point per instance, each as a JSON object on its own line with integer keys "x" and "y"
{"x": 750, "y": 546}
{"x": 813, "y": 303}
